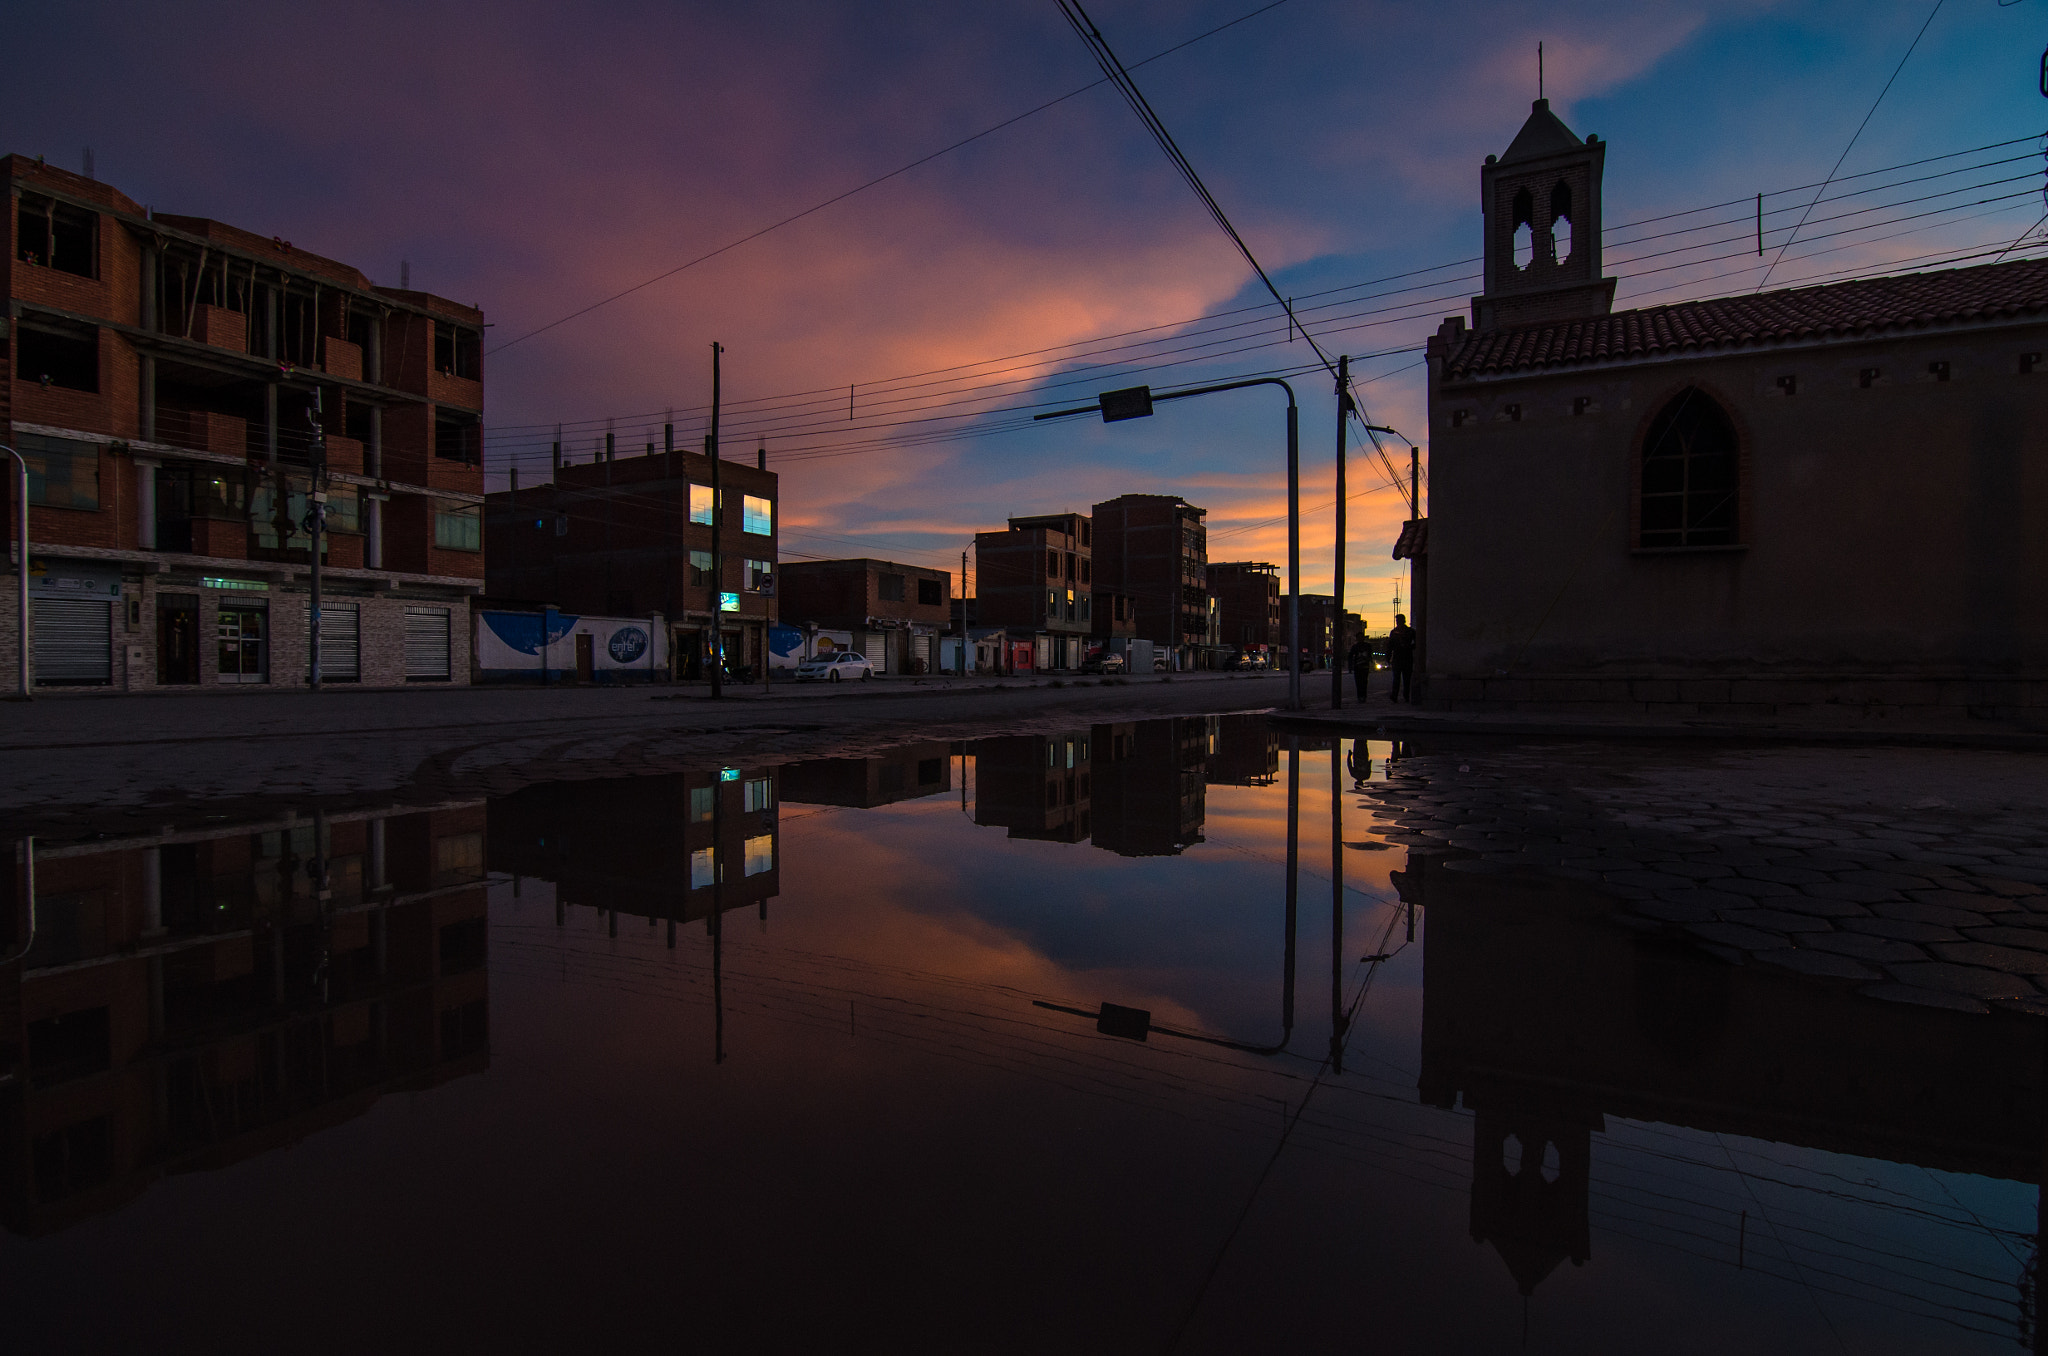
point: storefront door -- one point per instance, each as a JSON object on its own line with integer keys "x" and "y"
{"x": 244, "y": 645}
{"x": 177, "y": 637}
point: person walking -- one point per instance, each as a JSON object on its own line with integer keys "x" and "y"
{"x": 1401, "y": 659}
{"x": 1360, "y": 659}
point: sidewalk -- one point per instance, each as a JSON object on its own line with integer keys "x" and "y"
{"x": 1385, "y": 719}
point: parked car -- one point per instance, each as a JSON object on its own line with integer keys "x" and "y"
{"x": 834, "y": 667}
{"x": 1103, "y": 662}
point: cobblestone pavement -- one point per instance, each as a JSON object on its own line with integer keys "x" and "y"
{"x": 75, "y": 766}
{"x": 1915, "y": 875}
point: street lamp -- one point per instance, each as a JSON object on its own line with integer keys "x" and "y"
{"x": 1136, "y": 402}
{"x": 21, "y": 571}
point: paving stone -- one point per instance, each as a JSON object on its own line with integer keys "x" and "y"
{"x": 1477, "y": 867}
{"x": 1930, "y": 913}
{"x": 1966, "y": 979}
{"x": 2011, "y": 959}
{"x": 1818, "y": 908}
{"x": 1880, "y": 950}
{"x": 1700, "y": 870}
{"x": 1785, "y": 875}
{"x": 1736, "y": 935}
{"x": 1725, "y": 953}
{"x": 1930, "y": 998}
{"x": 1714, "y": 899}
{"x": 1656, "y": 881}
{"x": 1959, "y": 899}
{"x": 1759, "y": 889}
{"x": 1818, "y": 963}
{"x": 1673, "y": 911}
{"x": 1901, "y": 929}
{"x": 2033, "y": 1007}
{"x": 2030, "y": 939}
{"x": 1777, "y": 920}
{"x": 1855, "y": 894}
{"x": 1886, "y": 880}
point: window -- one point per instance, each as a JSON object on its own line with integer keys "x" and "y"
{"x": 889, "y": 588}
{"x": 760, "y": 794}
{"x": 1087, "y": 608}
{"x": 1052, "y": 564}
{"x": 1561, "y": 223}
{"x": 1087, "y": 573}
{"x": 459, "y": 529}
{"x": 52, "y": 357}
{"x": 702, "y": 802}
{"x": 458, "y": 440}
{"x": 700, "y": 567}
{"x": 62, "y": 472}
{"x": 700, "y": 506}
{"x": 760, "y": 854}
{"x": 344, "y": 509}
{"x": 1084, "y": 532}
{"x": 456, "y": 351}
{"x": 757, "y": 515}
{"x": 928, "y": 593}
{"x": 703, "y": 868}
{"x": 1052, "y": 602}
{"x": 58, "y": 235}
{"x": 1689, "y": 475}
{"x": 761, "y": 576}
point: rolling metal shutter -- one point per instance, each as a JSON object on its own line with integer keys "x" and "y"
{"x": 875, "y": 645}
{"x": 341, "y": 645}
{"x": 74, "y": 641}
{"x": 426, "y": 643}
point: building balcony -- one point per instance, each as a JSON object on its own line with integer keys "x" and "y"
{"x": 220, "y": 327}
{"x": 444, "y": 388}
{"x": 340, "y": 358}
{"x": 203, "y": 431}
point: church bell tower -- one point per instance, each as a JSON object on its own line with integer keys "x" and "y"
{"x": 1542, "y": 206}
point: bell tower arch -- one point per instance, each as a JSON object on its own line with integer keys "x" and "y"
{"x": 1541, "y": 202}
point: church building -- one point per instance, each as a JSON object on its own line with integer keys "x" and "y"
{"x": 1824, "y": 498}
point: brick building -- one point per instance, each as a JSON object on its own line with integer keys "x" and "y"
{"x": 1821, "y": 498}
{"x": 189, "y": 1000}
{"x": 1154, "y": 549}
{"x": 1324, "y": 638}
{"x": 897, "y": 611}
{"x": 1248, "y": 606}
{"x": 161, "y": 378}
{"x": 631, "y": 537}
{"x": 1039, "y": 577}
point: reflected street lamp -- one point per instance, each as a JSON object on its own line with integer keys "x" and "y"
{"x": 1136, "y": 402}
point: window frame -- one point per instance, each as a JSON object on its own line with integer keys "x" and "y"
{"x": 73, "y": 451}
{"x": 469, "y": 513}
{"x": 1638, "y": 449}
{"x": 702, "y": 507}
{"x": 757, "y": 508}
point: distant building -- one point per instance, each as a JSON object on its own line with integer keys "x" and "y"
{"x": 898, "y": 611}
{"x": 1154, "y": 549}
{"x": 1035, "y": 786}
{"x": 1149, "y": 792}
{"x": 1038, "y": 576}
{"x": 1250, "y": 616}
{"x": 631, "y": 537}
{"x": 1323, "y": 634}
{"x": 1824, "y": 497}
{"x": 908, "y": 772}
{"x": 161, "y": 376}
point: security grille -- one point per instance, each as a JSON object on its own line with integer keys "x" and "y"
{"x": 426, "y": 644}
{"x": 341, "y": 646}
{"x": 74, "y": 641}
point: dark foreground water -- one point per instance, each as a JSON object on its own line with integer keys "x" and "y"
{"x": 1032, "y": 1044}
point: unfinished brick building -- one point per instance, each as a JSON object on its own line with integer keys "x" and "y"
{"x": 1039, "y": 576}
{"x": 162, "y": 377}
{"x": 1154, "y": 549}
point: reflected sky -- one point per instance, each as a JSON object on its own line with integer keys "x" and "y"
{"x": 820, "y": 1054}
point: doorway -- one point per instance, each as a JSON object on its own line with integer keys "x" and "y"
{"x": 244, "y": 636}
{"x": 585, "y": 662}
{"x": 177, "y": 638}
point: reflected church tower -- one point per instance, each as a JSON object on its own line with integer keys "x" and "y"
{"x": 1531, "y": 1175}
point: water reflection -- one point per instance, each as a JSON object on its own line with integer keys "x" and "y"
{"x": 1239, "y": 1077}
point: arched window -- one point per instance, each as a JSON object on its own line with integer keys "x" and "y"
{"x": 1525, "y": 230}
{"x": 1561, "y": 222}
{"x": 1689, "y": 474}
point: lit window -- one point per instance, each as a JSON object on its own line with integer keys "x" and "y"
{"x": 760, "y": 854}
{"x": 760, "y": 794}
{"x": 702, "y": 803}
{"x": 757, "y": 515}
{"x": 761, "y": 576}
{"x": 700, "y": 567}
{"x": 703, "y": 868}
{"x": 700, "y": 504}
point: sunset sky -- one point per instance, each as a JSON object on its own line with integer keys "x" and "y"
{"x": 535, "y": 159}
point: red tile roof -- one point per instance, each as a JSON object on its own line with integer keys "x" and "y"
{"x": 1867, "y": 307}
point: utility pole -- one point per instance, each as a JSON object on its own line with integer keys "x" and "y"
{"x": 1337, "y": 585}
{"x": 717, "y": 558}
{"x": 315, "y": 521}
{"x": 24, "y": 684}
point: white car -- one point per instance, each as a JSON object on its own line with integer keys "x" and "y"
{"x": 834, "y": 667}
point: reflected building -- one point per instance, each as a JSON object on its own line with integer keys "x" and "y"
{"x": 181, "y": 1001}
{"x": 677, "y": 847}
{"x": 1035, "y": 786}
{"x": 907, "y": 773}
{"x": 1544, "y": 1018}
{"x": 1149, "y": 789}
{"x": 1243, "y": 751}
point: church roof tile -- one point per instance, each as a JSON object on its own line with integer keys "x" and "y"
{"x": 1866, "y": 307}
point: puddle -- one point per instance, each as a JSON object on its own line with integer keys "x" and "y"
{"x": 1139, "y": 1037}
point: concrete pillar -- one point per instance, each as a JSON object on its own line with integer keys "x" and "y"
{"x": 152, "y": 891}
{"x": 156, "y": 998}
{"x": 373, "y": 466}
{"x": 377, "y": 866}
{"x": 373, "y": 535}
{"x": 145, "y": 502}
{"x": 146, "y": 399}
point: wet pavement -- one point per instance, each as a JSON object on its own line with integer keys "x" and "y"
{"x": 1168, "y": 1035}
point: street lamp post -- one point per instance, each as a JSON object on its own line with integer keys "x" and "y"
{"x": 24, "y": 685}
{"x": 1136, "y": 402}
